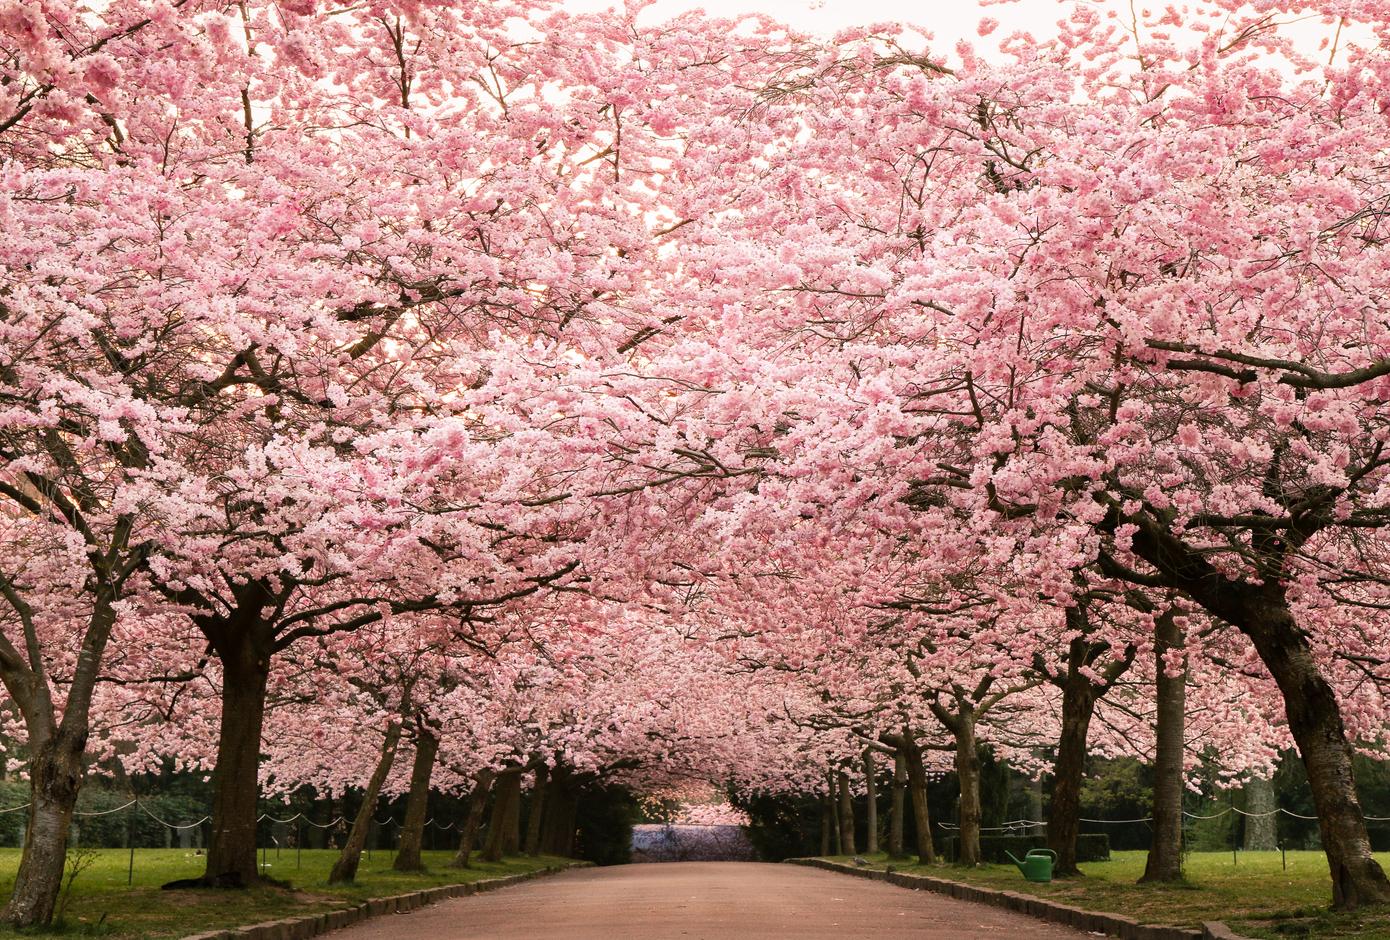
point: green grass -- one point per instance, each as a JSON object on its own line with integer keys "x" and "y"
{"x": 1255, "y": 896}
{"x": 103, "y": 904}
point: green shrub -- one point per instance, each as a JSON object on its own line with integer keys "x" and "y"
{"x": 781, "y": 825}
{"x": 603, "y": 821}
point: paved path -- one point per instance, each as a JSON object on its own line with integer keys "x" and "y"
{"x": 705, "y": 901}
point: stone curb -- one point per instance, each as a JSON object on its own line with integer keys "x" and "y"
{"x": 1111, "y": 925}
{"x": 312, "y": 925}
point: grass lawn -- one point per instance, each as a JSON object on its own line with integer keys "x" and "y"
{"x": 1255, "y": 896}
{"x": 103, "y": 904}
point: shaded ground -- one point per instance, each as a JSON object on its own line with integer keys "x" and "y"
{"x": 706, "y": 901}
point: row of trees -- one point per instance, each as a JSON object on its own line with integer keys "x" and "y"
{"x": 546, "y": 395}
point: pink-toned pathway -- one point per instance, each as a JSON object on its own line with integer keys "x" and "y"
{"x": 705, "y": 901}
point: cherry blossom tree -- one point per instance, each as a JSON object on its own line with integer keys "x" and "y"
{"x": 1081, "y": 298}
{"x": 684, "y": 403}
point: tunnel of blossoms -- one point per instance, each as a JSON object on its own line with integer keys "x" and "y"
{"x": 428, "y": 399}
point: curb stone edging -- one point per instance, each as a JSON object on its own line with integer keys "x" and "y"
{"x": 1112, "y": 925}
{"x": 312, "y": 925}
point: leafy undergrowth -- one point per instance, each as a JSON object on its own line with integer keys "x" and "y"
{"x": 1255, "y": 895}
{"x": 103, "y": 904}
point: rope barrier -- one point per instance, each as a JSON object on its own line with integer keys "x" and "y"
{"x": 1016, "y": 824}
{"x": 108, "y": 812}
{"x": 263, "y": 817}
{"x": 170, "y": 825}
{"x": 1010, "y": 826}
{"x": 284, "y": 822}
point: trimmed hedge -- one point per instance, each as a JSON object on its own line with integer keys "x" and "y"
{"x": 1090, "y": 847}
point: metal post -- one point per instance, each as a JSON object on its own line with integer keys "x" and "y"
{"x": 130, "y": 841}
{"x": 299, "y": 843}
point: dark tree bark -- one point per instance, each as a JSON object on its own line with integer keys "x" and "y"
{"x": 417, "y": 803}
{"x": 960, "y": 722}
{"x": 870, "y": 804}
{"x": 896, "y": 811}
{"x": 345, "y": 868}
{"x": 244, "y": 646}
{"x": 967, "y": 762}
{"x": 1261, "y": 827}
{"x": 559, "y": 818}
{"x": 511, "y": 824}
{"x": 846, "y": 815}
{"x": 56, "y": 768}
{"x": 1164, "y": 863}
{"x": 1064, "y": 812}
{"x": 1315, "y": 719}
{"x": 1079, "y": 696}
{"x": 477, "y": 801}
{"x": 837, "y": 832}
{"x": 55, "y": 779}
{"x": 827, "y": 824}
{"x": 917, "y": 789}
{"x": 537, "y": 812}
{"x": 67, "y": 496}
{"x": 1260, "y": 609}
{"x": 508, "y": 791}
{"x": 557, "y": 826}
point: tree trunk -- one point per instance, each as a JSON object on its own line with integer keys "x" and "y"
{"x": 508, "y": 790}
{"x": 895, "y": 816}
{"x": 244, "y": 650}
{"x": 837, "y": 832}
{"x": 1064, "y": 813}
{"x": 1315, "y": 720}
{"x": 968, "y": 775}
{"x": 55, "y": 779}
{"x": 511, "y": 831}
{"x": 56, "y": 750}
{"x": 1261, "y": 826}
{"x": 870, "y": 805}
{"x": 345, "y": 868}
{"x": 917, "y": 788}
{"x": 537, "y": 812}
{"x": 417, "y": 803}
{"x": 476, "y": 802}
{"x": 1164, "y": 863}
{"x": 1261, "y": 611}
{"x": 827, "y": 823}
{"x": 558, "y": 824}
{"x": 846, "y": 815}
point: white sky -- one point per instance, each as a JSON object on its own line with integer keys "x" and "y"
{"x": 948, "y": 20}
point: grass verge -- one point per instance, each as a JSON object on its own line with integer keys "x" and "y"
{"x": 101, "y": 903}
{"x": 1255, "y": 894}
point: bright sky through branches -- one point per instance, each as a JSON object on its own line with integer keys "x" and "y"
{"x": 948, "y": 21}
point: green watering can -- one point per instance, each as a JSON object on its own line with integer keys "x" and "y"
{"x": 1036, "y": 865}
